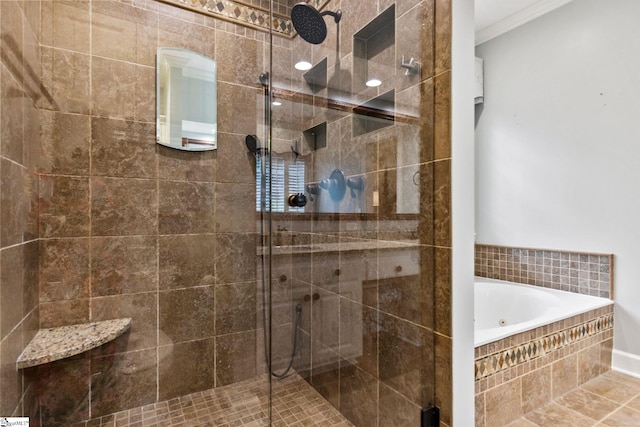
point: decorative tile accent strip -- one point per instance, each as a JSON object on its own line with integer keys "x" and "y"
{"x": 582, "y": 273}
{"x": 244, "y": 14}
{"x": 538, "y": 347}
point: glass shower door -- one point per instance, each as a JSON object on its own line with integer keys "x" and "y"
{"x": 355, "y": 179}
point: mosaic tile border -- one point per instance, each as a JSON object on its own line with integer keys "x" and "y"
{"x": 538, "y": 347}
{"x": 244, "y": 14}
{"x": 578, "y": 272}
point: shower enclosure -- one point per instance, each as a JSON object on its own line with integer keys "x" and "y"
{"x": 297, "y": 274}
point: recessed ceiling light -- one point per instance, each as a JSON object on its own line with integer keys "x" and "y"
{"x": 303, "y": 65}
{"x": 373, "y": 82}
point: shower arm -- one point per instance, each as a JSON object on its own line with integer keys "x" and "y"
{"x": 337, "y": 16}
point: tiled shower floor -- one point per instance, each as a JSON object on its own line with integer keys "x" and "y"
{"x": 244, "y": 404}
{"x": 612, "y": 399}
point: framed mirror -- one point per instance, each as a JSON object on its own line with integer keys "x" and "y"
{"x": 186, "y": 92}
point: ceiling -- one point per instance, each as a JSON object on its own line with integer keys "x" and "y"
{"x": 496, "y": 17}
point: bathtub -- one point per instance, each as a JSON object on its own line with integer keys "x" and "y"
{"x": 503, "y": 308}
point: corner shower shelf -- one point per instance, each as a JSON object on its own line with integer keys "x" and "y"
{"x": 58, "y": 343}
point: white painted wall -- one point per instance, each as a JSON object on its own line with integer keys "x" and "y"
{"x": 558, "y": 144}
{"x": 462, "y": 201}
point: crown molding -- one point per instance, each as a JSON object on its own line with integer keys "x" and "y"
{"x": 517, "y": 19}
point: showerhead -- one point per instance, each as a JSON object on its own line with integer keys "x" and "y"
{"x": 309, "y": 22}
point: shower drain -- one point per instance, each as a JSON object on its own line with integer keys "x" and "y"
{"x": 502, "y": 322}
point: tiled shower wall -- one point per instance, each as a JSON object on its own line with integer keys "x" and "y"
{"x": 126, "y": 228}
{"x": 20, "y": 92}
{"x": 579, "y": 272}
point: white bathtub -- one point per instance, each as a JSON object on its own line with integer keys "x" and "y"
{"x": 504, "y": 308}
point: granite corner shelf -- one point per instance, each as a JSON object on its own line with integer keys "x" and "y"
{"x": 53, "y": 344}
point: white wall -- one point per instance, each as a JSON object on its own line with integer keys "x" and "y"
{"x": 462, "y": 199}
{"x": 558, "y": 144}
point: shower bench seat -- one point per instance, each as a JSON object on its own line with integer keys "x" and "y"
{"x": 53, "y": 344}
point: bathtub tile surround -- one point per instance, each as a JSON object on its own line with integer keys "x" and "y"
{"x": 580, "y": 272}
{"x": 526, "y": 371}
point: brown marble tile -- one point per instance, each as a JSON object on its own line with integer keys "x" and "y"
{"x": 613, "y": 390}
{"x": 325, "y": 270}
{"x": 122, "y": 206}
{"x": 358, "y": 395}
{"x": 64, "y": 206}
{"x": 407, "y": 297}
{"x": 31, "y": 276}
{"x": 443, "y": 283}
{"x": 325, "y": 372}
{"x": 442, "y": 45}
{"x": 144, "y": 103}
{"x": 565, "y": 375}
{"x": 426, "y": 229}
{"x": 113, "y": 96}
{"x": 588, "y": 404}
{"x": 14, "y": 203}
{"x": 359, "y": 335}
{"x": 141, "y": 308}
{"x": 234, "y": 162}
{"x": 634, "y": 403}
{"x": 122, "y": 31}
{"x": 536, "y": 388}
{"x": 235, "y": 307}
{"x": 414, "y": 32}
{"x": 64, "y": 269}
{"x": 442, "y": 203}
{"x": 186, "y": 261}
{"x": 236, "y": 257}
{"x": 66, "y": 24}
{"x": 65, "y": 143}
{"x": 186, "y": 368}
{"x": 175, "y": 32}
{"x": 406, "y": 358}
{"x": 123, "y": 148}
{"x": 326, "y": 318}
{"x": 123, "y": 381}
{"x": 395, "y": 410}
{"x": 65, "y": 77}
{"x": 187, "y": 314}
{"x": 553, "y": 414}
{"x": 236, "y": 357}
{"x": 623, "y": 417}
{"x": 187, "y": 165}
{"x": 123, "y": 265}
{"x": 10, "y": 377}
{"x": 588, "y": 364}
{"x": 240, "y": 114}
{"x": 442, "y": 123}
{"x": 185, "y": 207}
{"x": 503, "y": 403}
{"x": 63, "y": 313}
{"x": 12, "y": 103}
{"x": 480, "y": 413}
{"x": 230, "y": 202}
{"x": 443, "y": 377}
{"x": 238, "y": 59}
{"x": 11, "y": 289}
{"x": 63, "y": 389}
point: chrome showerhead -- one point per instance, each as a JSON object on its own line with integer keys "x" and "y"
{"x": 309, "y": 22}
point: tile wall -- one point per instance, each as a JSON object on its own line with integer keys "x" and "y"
{"x": 20, "y": 92}
{"x": 579, "y": 272}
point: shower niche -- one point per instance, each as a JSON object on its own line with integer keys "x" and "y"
{"x": 374, "y": 70}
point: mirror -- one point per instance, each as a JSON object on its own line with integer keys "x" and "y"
{"x": 186, "y": 100}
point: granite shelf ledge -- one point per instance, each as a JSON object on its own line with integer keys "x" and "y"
{"x": 58, "y": 343}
